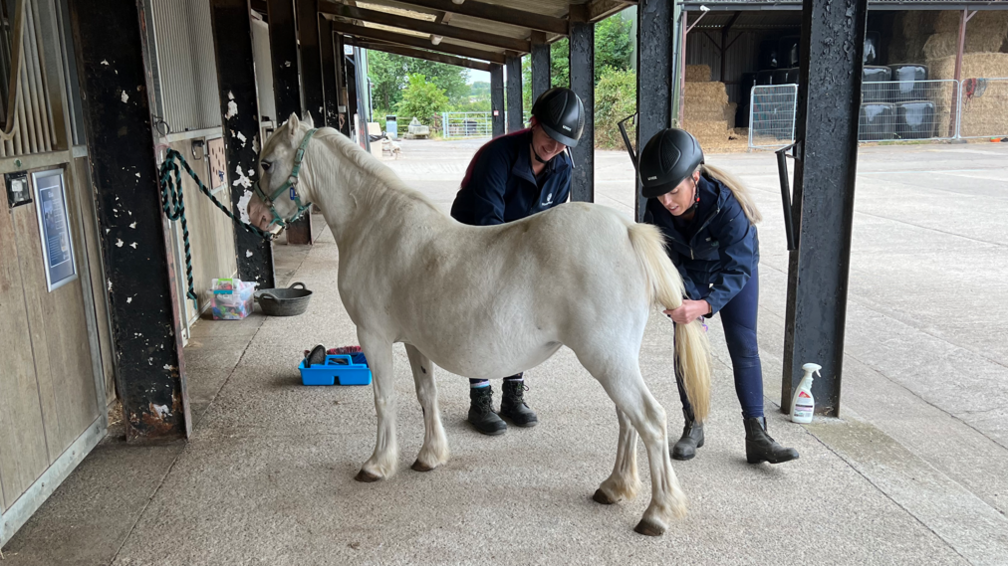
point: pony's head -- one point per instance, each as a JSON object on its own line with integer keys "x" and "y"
{"x": 279, "y": 197}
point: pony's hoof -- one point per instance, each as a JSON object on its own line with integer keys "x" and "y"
{"x": 603, "y": 498}
{"x": 365, "y": 476}
{"x": 421, "y": 467}
{"x": 649, "y": 528}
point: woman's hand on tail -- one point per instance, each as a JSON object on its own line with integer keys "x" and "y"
{"x": 688, "y": 311}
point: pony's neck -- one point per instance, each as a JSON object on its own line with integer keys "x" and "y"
{"x": 352, "y": 198}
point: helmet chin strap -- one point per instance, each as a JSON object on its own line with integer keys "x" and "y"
{"x": 536, "y": 154}
{"x": 696, "y": 195}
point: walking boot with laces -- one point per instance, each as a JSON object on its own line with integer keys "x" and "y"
{"x": 513, "y": 405}
{"x": 692, "y": 438}
{"x": 760, "y": 447}
{"x": 481, "y": 413}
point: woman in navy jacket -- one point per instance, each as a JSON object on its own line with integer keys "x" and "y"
{"x": 510, "y": 178}
{"x": 709, "y": 223}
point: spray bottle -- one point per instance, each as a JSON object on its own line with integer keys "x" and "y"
{"x": 803, "y": 404}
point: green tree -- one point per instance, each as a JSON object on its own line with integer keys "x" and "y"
{"x": 388, "y": 74}
{"x": 615, "y": 99}
{"x": 560, "y": 63}
{"x": 613, "y": 44}
{"x": 423, "y": 100}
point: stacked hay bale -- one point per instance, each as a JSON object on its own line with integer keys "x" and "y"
{"x": 985, "y": 104}
{"x": 986, "y": 34}
{"x": 708, "y": 114}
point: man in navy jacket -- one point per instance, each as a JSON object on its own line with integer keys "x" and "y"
{"x": 510, "y": 178}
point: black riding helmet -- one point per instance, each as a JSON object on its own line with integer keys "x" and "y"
{"x": 560, "y": 112}
{"x": 670, "y": 156}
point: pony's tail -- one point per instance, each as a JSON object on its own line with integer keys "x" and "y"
{"x": 665, "y": 289}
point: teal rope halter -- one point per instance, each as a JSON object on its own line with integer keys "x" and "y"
{"x": 291, "y": 184}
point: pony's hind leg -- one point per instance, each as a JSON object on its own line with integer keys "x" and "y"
{"x": 382, "y": 463}
{"x": 622, "y": 380}
{"x": 434, "y": 451}
{"x": 623, "y": 482}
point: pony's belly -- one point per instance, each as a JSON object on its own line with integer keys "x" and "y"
{"x": 490, "y": 364}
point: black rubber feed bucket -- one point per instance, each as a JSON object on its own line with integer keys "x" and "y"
{"x": 291, "y": 301}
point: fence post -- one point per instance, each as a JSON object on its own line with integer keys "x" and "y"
{"x": 959, "y": 109}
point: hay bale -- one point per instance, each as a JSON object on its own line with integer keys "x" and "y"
{"x": 698, "y": 73}
{"x": 729, "y": 114}
{"x": 991, "y": 23}
{"x": 713, "y": 93}
{"x": 708, "y": 133}
{"x": 974, "y": 65}
{"x": 704, "y": 113}
{"x": 947, "y": 44}
{"x": 948, "y": 21}
{"x": 983, "y": 109}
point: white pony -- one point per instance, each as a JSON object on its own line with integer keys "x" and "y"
{"x": 488, "y": 302}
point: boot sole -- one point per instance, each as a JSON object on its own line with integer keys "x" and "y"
{"x": 759, "y": 460}
{"x": 489, "y": 432}
{"x": 515, "y": 422}
{"x": 522, "y": 425}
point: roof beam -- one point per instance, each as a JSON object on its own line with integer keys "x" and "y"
{"x": 419, "y": 42}
{"x": 420, "y": 54}
{"x": 495, "y": 13}
{"x": 602, "y": 9}
{"x": 423, "y": 26}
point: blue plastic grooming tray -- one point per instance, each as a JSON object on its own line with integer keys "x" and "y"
{"x": 337, "y": 370}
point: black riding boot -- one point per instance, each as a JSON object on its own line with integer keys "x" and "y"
{"x": 692, "y": 438}
{"x": 759, "y": 447}
{"x": 513, "y": 405}
{"x": 481, "y": 413}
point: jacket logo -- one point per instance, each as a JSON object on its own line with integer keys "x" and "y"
{"x": 549, "y": 200}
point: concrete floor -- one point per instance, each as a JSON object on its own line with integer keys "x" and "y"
{"x": 913, "y": 473}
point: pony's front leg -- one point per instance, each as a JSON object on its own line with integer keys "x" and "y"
{"x": 434, "y": 451}
{"x": 382, "y": 464}
{"x": 623, "y": 482}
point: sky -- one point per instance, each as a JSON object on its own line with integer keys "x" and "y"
{"x": 477, "y": 76}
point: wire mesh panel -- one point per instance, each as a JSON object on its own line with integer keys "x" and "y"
{"x": 909, "y": 109}
{"x": 467, "y": 124}
{"x": 983, "y": 108}
{"x": 772, "y": 115}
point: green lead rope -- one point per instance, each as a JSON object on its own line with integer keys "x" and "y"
{"x": 170, "y": 178}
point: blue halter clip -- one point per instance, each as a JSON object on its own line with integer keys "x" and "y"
{"x": 291, "y": 185}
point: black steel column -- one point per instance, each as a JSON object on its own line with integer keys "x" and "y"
{"x": 514, "y": 94}
{"x": 287, "y": 87}
{"x": 582, "y": 81}
{"x": 330, "y": 89}
{"x": 311, "y": 62}
{"x": 540, "y": 64}
{"x": 497, "y": 99}
{"x": 236, "y": 78}
{"x": 350, "y": 66}
{"x": 655, "y": 56}
{"x": 342, "y": 95}
{"x": 829, "y": 97}
{"x": 150, "y": 370}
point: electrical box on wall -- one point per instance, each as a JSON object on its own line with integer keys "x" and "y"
{"x": 18, "y": 191}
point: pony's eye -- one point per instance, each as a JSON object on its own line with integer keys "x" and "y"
{"x": 265, "y": 165}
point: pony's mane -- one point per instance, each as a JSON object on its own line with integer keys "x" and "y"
{"x": 370, "y": 165}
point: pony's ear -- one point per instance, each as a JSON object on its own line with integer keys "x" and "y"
{"x": 308, "y": 119}
{"x": 292, "y": 126}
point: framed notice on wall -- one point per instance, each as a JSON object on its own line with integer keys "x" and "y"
{"x": 54, "y": 227}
